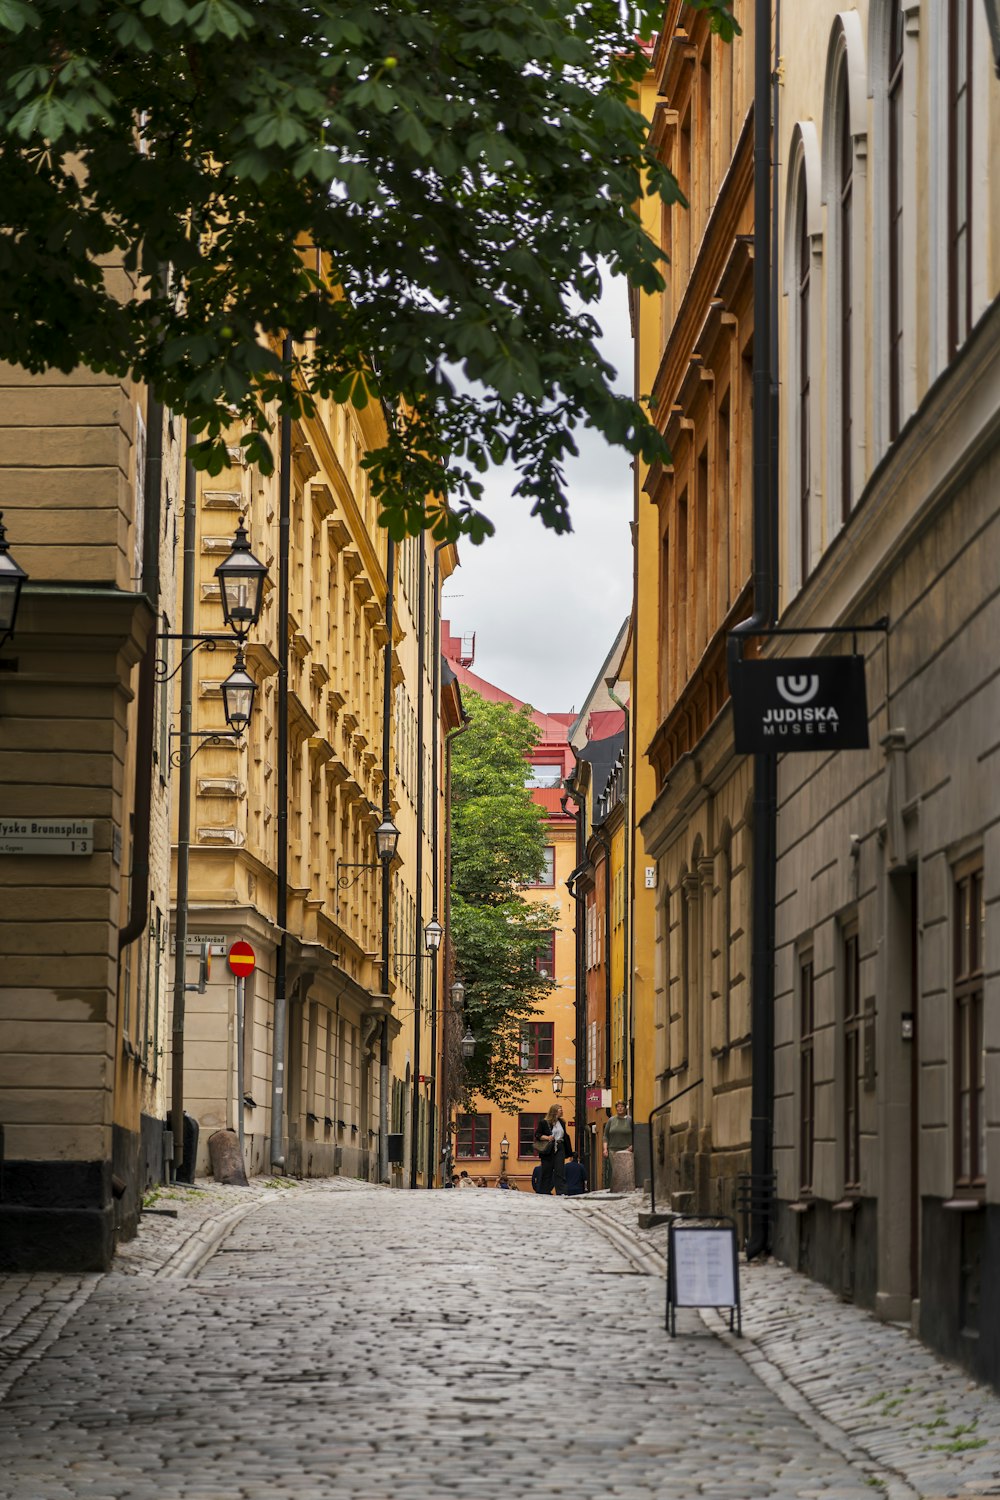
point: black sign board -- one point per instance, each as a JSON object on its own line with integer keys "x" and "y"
{"x": 799, "y": 703}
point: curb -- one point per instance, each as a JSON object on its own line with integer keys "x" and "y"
{"x": 188, "y": 1259}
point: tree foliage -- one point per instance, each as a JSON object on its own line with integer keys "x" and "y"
{"x": 421, "y": 192}
{"x": 498, "y": 843}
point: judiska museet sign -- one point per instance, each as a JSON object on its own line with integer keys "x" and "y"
{"x": 800, "y": 703}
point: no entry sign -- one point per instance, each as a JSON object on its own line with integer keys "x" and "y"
{"x": 241, "y": 959}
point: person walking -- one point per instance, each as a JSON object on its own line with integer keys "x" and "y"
{"x": 619, "y": 1174}
{"x": 551, "y": 1144}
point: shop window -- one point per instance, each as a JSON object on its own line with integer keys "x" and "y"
{"x": 852, "y": 1063}
{"x": 807, "y": 1074}
{"x": 970, "y": 1053}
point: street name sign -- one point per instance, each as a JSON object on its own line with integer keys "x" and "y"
{"x": 799, "y": 703}
{"x": 46, "y": 835}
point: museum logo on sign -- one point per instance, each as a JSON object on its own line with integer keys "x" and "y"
{"x": 808, "y": 704}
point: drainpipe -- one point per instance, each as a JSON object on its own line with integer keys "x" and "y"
{"x": 383, "y": 1053}
{"x": 580, "y": 986}
{"x": 605, "y": 843}
{"x": 146, "y": 696}
{"x": 628, "y": 1051}
{"x": 281, "y": 897}
{"x": 764, "y": 766}
{"x": 183, "y": 822}
{"x": 429, "y": 1170}
{"x": 418, "y": 982}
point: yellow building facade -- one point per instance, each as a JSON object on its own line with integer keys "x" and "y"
{"x": 339, "y": 623}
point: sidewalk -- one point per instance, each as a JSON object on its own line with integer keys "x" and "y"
{"x": 893, "y": 1401}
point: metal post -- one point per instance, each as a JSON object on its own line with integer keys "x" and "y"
{"x": 281, "y": 901}
{"x": 418, "y": 982}
{"x": 383, "y": 1057}
{"x": 240, "y": 1023}
{"x": 183, "y": 822}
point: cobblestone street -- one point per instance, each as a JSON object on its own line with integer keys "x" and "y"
{"x": 337, "y": 1341}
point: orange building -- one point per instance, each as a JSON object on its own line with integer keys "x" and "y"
{"x": 548, "y": 1052}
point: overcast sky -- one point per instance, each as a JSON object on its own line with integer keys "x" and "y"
{"x": 546, "y": 609}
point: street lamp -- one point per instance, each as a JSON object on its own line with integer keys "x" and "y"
{"x": 458, "y": 994}
{"x": 238, "y": 693}
{"x": 993, "y": 21}
{"x": 504, "y": 1153}
{"x": 241, "y": 584}
{"x": 433, "y": 933}
{"x": 12, "y": 577}
{"x": 557, "y": 1083}
{"x": 468, "y": 1043}
{"x": 386, "y": 839}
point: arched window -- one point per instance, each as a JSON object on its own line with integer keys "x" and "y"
{"x": 895, "y": 226}
{"x": 804, "y": 383}
{"x": 845, "y": 288}
{"x": 959, "y": 118}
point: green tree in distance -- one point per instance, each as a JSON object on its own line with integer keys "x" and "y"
{"x": 423, "y": 193}
{"x": 497, "y": 844}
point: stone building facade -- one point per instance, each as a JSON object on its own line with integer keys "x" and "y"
{"x": 89, "y": 489}
{"x": 887, "y": 1062}
{"x": 694, "y": 351}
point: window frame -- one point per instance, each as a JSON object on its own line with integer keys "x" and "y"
{"x": 958, "y": 105}
{"x": 968, "y": 990}
{"x": 474, "y": 1155}
{"x": 852, "y": 1051}
{"x": 537, "y": 1038}
{"x": 545, "y": 962}
{"x": 527, "y": 1123}
{"x": 894, "y": 191}
{"x": 845, "y": 231}
{"x": 543, "y": 883}
{"x": 803, "y": 395}
{"x": 807, "y": 1073}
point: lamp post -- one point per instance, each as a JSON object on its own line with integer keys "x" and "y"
{"x": 241, "y": 583}
{"x": 433, "y": 933}
{"x": 504, "y": 1153}
{"x": 468, "y": 1044}
{"x": 557, "y": 1083}
{"x": 12, "y": 578}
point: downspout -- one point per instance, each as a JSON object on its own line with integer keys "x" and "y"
{"x": 183, "y": 823}
{"x": 580, "y": 986}
{"x": 432, "y": 1153}
{"x": 605, "y": 844}
{"x": 418, "y": 982}
{"x": 383, "y": 1051}
{"x": 281, "y": 899}
{"x": 764, "y": 766}
{"x": 146, "y": 695}
{"x": 628, "y": 1051}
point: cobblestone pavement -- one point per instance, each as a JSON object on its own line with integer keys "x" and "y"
{"x": 336, "y": 1340}
{"x": 918, "y": 1417}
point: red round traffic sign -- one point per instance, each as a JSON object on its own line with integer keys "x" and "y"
{"x": 241, "y": 959}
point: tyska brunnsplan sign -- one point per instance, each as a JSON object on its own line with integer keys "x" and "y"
{"x": 800, "y": 703}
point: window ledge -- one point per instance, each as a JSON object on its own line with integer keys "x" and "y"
{"x": 846, "y": 1205}
{"x": 963, "y": 1205}
{"x": 802, "y": 1206}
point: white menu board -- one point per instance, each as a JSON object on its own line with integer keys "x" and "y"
{"x": 703, "y": 1267}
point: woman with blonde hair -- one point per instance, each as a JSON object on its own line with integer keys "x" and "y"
{"x": 551, "y": 1145}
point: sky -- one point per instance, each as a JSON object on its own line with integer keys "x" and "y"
{"x": 546, "y": 609}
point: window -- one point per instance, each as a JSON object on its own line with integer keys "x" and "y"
{"x": 548, "y": 875}
{"x": 959, "y": 172}
{"x": 544, "y": 773}
{"x": 537, "y": 1046}
{"x": 545, "y": 959}
{"x": 970, "y": 1053}
{"x": 852, "y": 1062}
{"x": 526, "y": 1134}
{"x": 805, "y": 487}
{"x": 896, "y": 129}
{"x": 473, "y": 1141}
{"x": 845, "y": 185}
{"x": 807, "y": 1075}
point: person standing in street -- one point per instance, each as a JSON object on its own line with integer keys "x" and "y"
{"x": 551, "y": 1144}
{"x": 576, "y": 1175}
{"x": 617, "y": 1141}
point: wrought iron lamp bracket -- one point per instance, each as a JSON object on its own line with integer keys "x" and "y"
{"x": 210, "y": 642}
{"x": 183, "y": 754}
{"x": 344, "y": 882}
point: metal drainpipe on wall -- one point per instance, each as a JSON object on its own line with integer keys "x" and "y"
{"x": 281, "y": 902}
